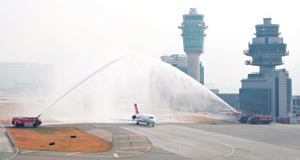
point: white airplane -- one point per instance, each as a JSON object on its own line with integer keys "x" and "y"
{"x": 144, "y": 118}
{"x": 141, "y": 118}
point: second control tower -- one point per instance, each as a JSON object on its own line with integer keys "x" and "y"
{"x": 269, "y": 91}
{"x": 267, "y": 48}
{"x": 193, "y": 38}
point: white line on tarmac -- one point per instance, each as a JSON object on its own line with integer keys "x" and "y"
{"x": 73, "y": 153}
{"x": 127, "y": 135}
{"x": 132, "y": 147}
{"x": 14, "y": 154}
{"x": 128, "y": 152}
{"x": 27, "y": 151}
{"x": 133, "y": 141}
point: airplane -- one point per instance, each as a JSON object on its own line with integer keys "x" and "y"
{"x": 141, "y": 118}
{"x": 144, "y": 118}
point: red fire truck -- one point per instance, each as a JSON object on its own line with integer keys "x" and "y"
{"x": 260, "y": 120}
{"x": 255, "y": 119}
{"x": 26, "y": 121}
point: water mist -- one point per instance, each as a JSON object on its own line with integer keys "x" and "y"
{"x": 106, "y": 93}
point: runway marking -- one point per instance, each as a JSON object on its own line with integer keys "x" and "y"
{"x": 259, "y": 151}
{"x": 132, "y": 147}
{"x": 27, "y": 151}
{"x": 227, "y": 154}
{"x": 149, "y": 147}
{"x": 73, "y": 153}
{"x": 129, "y": 152}
{"x": 92, "y": 156}
{"x": 133, "y": 141}
{"x": 128, "y": 135}
{"x": 116, "y": 155}
{"x": 17, "y": 151}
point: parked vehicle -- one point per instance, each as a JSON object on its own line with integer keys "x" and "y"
{"x": 255, "y": 119}
{"x": 26, "y": 121}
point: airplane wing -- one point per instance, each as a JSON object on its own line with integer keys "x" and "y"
{"x": 123, "y": 119}
{"x": 127, "y": 119}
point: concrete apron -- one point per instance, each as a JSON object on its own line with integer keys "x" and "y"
{"x": 6, "y": 147}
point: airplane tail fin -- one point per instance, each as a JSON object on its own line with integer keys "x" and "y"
{"x": 136, "y": 109}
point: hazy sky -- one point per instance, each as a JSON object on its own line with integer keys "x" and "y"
{"x": 77, "y": 33}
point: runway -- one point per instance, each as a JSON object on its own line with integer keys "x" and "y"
{"x": 185, "y": 141}
{"x": 225, "y": 141}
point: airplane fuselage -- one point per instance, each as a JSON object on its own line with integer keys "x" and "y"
{"x": 145, "y": 118}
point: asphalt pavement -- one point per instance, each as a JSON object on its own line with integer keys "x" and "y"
{"x": 184, "y": 141}
{"x": 7, "y": 150}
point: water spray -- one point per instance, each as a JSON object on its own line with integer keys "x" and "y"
{"x": 168, "y": 88}
{"x": 88, "y": 77}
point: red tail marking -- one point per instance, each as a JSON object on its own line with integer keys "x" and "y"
{"x": 136, "y": 109}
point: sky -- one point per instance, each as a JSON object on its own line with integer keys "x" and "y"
{"x": 77, "y": 35}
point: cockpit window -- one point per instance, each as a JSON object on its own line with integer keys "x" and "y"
{"x": 151, "y": 117}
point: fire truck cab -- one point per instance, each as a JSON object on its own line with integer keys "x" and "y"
{"x": 26, "y": 121}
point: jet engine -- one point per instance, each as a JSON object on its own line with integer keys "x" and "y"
{"x": 133, "y": 117}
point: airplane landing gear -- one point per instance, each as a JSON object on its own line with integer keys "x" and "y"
{"x": 137, "y": 123}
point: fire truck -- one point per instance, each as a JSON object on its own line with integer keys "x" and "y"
{"x": 255, "y": 119}
{"x": 243, "y": 119}
{"x": 26, "y": 121}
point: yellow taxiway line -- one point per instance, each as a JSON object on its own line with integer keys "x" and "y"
{"x": 116, "y": 155}
{"x": 27, "y": 151}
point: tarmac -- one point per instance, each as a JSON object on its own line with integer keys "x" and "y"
{"x": 183, "y": 141}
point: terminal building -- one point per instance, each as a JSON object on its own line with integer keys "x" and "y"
{"x": 25, "y": 77}
{"x": 268, "y": 92}
{"x": 180, "y": 61}
{"x": 193, "y": 27}
{"x": 296, "y": 105}
{"x": 230, "y": 98}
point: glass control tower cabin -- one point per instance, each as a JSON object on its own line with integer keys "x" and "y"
{"x": 267, "y": 48}
{"x": 193, "y": 39}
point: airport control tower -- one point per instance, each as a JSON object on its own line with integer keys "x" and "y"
{"x": 193, "y": 39}
{"x": 267, "y": 48}
{"x": 268, "y": 92}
